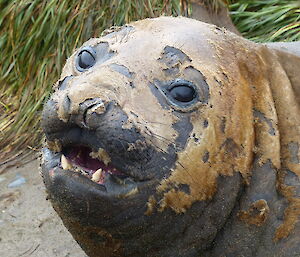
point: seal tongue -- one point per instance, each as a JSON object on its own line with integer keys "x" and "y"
{"x": 81, "y": 156}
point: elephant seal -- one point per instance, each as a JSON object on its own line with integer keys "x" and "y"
{"x": 173, "y": 137}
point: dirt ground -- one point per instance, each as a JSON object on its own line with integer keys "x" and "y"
{"x": 28, "y": 224}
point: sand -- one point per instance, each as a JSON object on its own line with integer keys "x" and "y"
{"x": 28, "y": 224}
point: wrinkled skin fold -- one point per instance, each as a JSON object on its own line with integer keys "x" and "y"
{"x": 173, "y": 137}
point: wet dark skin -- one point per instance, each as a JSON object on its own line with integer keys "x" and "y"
{"x": 169, "y": 137}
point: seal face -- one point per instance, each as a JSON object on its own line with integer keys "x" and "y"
{"x": 150, "y": 138}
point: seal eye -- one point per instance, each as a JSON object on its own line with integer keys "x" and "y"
{"x": 85, "y": 60}
{"x": 182, "y": 91}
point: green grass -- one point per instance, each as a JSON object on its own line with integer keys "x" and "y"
{"x": 37, "y": 36}
{"x": 267, "y": 20}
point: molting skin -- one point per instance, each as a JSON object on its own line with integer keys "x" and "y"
{"x": 172, "y": 137}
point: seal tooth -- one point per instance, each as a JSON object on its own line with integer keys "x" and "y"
{"x": 76, "y": 169}
{"x": 66, "y": 165}
{"x": 97, "y": 175}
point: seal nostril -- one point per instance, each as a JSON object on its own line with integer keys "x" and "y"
{"x": 90, "y": 106}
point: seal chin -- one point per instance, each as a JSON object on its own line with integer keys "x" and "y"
{"x": 76, "y": 197}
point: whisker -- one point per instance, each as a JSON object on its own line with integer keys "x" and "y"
{"x": 156, "y": 146}
{"x": 152, "y": 122}
{"x": 125, "y": 149}
{"x": 187, "y": 169}
{"x": 163, "y": 139}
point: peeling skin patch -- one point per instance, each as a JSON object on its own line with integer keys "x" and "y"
{"x": 292, "y": 212}
{"x": 223, "y": 124}
{"x": 150, "y": 205}
{"x": 184, "y": 128}
{"x": 102, "y": 155}
{"x": 62, "y": 84}
{"x": 120, "y": 32}
{"x": 122, "y": 69}
{"x": 291, "y": 216}
{"x": 205, "y": 157}
{"x": 276, "y": 121}
{"x": 138, "y": 144}
{"x": 184, "y": 188}
{"x": 196, "y": 139}
{"x": 157, "y": 92}
{"x": 253, "y": 68}
{"x": 231, "y": 148}
{"x": 294, "y": 152}
{"x": 173, "y": 58}
{"x": 201, "y": 177}
{"x": 229, "y": 152}
{"x": 262, "y": 118}
{"x": 288, "y": 113}
{"x": 257, "y": 214}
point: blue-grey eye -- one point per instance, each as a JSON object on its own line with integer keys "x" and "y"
{"x": 86, "y": 59}
{"x": 182, "y": 92}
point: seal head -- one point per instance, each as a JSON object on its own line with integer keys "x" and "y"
{"x": 150, "y": 137}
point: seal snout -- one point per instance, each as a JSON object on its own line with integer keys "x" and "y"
{"x": 78, "y": 112}
{"x": 93, "y": 137}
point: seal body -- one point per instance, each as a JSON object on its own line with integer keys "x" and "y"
{"x": 173, "y": 137}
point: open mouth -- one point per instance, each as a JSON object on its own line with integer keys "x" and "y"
{"x": 76, "y": 159}
{"x": 77, "y": 167}
{"x": 95, "y": 166}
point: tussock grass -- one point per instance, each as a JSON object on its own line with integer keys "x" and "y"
{"x": 267, "y": 20}
{"x": 213, "y": 5}
{"x": 37, "y": 36}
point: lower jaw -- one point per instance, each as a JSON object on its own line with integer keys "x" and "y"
{"x": 99, "y": 215}
{"x": 79, "y": 200}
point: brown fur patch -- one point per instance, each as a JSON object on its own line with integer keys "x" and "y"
{"x": 230, "y": 149}
{"x": 291, "y": 213}
{"x": 257, "y": 214}
{"x": 288, "y": 112}
{"x": 102, "y": 155}
{"x": 150, "y": 205}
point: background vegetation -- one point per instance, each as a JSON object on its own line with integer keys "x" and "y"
{"x": 37, "y": 36}
{"x": 267, "y": 20}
